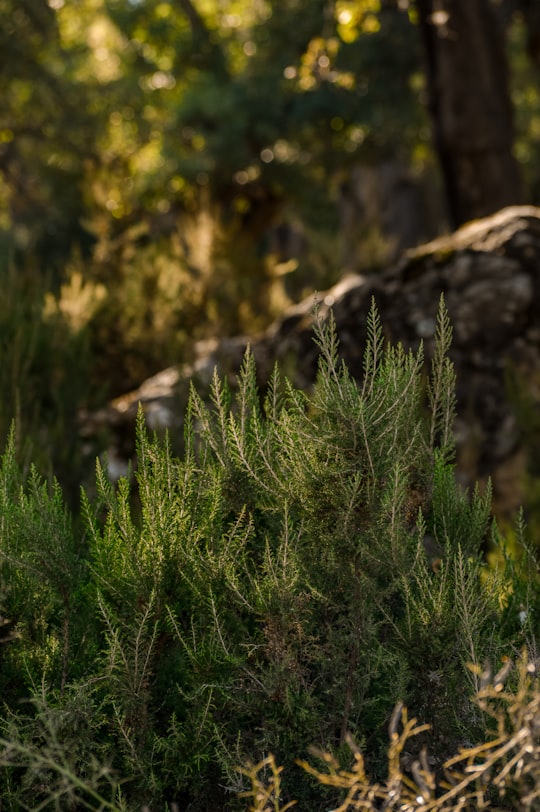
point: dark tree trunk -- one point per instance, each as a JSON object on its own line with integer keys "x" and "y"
{"x": 531, "y": 13}
{"x": 469, "y": 101}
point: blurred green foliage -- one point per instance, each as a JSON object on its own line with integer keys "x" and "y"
{"x": 115, "y": 113}
{"x": 173, "y": 170}
{"x": 526, "y": 98}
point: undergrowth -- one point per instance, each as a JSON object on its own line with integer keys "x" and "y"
{"x": 306, "y": 567}
{"x": 500, "y": 773}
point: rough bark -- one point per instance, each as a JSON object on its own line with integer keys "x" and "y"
{"x": 470, "y": 107}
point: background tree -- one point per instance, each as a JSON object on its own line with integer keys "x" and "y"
{"x": 470, "y": 105}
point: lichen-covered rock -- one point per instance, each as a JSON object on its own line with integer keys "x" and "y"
{"x": 489, "y": 273}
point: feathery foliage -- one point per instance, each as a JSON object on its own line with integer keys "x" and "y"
{"x": 307, "y": 564}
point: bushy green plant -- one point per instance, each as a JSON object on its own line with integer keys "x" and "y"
{"x": 308, "y": 563}
{"x": 41, "y": 580}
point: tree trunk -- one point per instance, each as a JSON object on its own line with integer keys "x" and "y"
{"x": 467, "y": 77}
{"x": 531, "y": 13}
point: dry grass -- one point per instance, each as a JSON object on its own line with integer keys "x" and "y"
{"x": 502, "y": 773}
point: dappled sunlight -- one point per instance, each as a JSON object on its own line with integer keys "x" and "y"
{"x": 77, "y": 302}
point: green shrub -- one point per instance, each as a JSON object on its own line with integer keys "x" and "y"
{"x": 308, "y": 563}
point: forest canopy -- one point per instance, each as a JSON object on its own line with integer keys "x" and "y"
{"x": 115, "y": 113}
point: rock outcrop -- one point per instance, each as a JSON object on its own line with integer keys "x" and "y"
{"x": 489, "y": 273}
